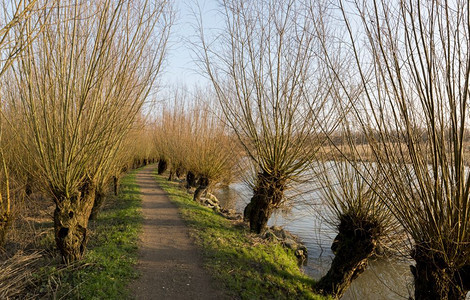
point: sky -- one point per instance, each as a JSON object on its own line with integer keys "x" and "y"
{"x": 180, "y": 67}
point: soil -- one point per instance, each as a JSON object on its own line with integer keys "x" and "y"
{"x": 170, "y": 265}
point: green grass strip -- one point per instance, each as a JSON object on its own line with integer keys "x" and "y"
{"x": 249, "y": 267}
{"x": 109, "y": 264}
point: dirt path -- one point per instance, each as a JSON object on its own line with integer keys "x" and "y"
{"x": 170, "y": 265}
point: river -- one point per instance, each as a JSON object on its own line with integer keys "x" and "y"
{"x": 383, "y": 279}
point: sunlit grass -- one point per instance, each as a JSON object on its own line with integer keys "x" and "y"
{"x": 247, "y": 266}
{"x": 108, "y": 266}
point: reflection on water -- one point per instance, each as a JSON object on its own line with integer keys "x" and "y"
{"x": 383, "y": 279}
{"x": 235, "y": 196}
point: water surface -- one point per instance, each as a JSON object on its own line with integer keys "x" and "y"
{"x": 383, "y": 279}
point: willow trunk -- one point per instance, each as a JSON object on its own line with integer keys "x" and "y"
{"x": 162, "y": 166}
{"x": 179, "y": 172}
{"x": 191, "y": 180}
{"x": 116, "y": 185}
{"x": 97, "y": 204}
{"x": 435, "y": 279}
{"x": 71, "y": 223}
{"x": 353, "y": 246}
{"x": 267, "y": 195}
{"x": 203, "y": 185}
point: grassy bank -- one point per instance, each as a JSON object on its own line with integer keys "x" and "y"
{"x": 249, "y": 267}
{"x": 108, "y": 266}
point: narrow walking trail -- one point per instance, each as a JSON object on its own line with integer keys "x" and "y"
{"x": 169, "y": 263}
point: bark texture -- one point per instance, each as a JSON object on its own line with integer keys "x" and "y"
{"x": 97, "y": 204}
{"x": 136, "y": 164}
{"x": 353, "y": 246}
{"x": 71, "y": 221}
{"x": 268, "y": 195}
{"x": 435, "y": 279}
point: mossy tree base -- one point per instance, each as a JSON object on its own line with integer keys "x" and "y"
{"x": 258, "y": 212}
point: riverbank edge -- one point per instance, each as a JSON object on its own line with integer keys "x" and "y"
{"x": 248, "y": 266}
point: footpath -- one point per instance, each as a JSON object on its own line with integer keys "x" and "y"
{"x": 169, "y": 263}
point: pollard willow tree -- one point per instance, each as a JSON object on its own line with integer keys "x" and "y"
{"x": 14, "y": 37}
{"x": 133, "y": 150}
{"x": 80, "y": 85}
{"x": 213, "y": 153}
{"x": 172, "y": 133}
{"x": 412, "y": 60}
{"x": 273, "y": 90}
{"x": 195, "y": 139}
{"x": 365, "y": 227}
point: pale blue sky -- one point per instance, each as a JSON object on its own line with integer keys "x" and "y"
{"x": 180, "y": 67}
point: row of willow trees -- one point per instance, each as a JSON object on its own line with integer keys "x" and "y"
{"x": 298, "y": 80}
{"x": 193, "y": 141}
{"x": 75, "y": 76}
{"x": 292, "y": 79}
